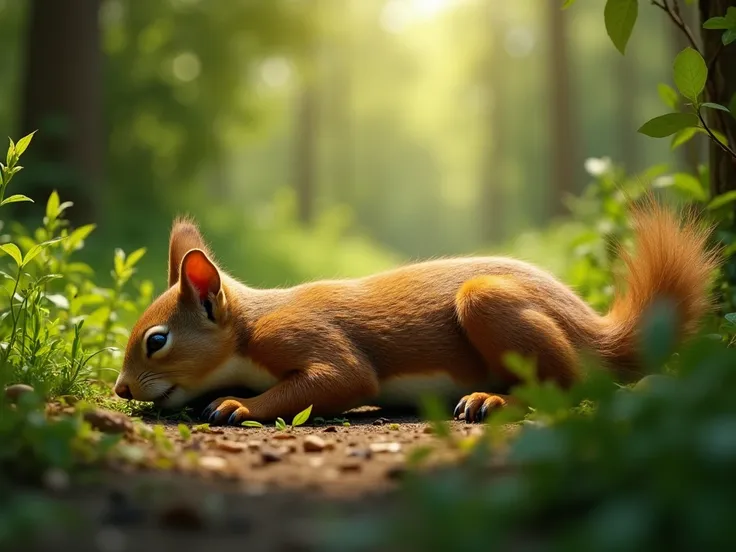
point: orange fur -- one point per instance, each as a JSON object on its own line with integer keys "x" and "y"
{"x": 339, "y": 343}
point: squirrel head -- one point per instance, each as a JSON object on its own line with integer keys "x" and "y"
{"x": 185, "y": 333}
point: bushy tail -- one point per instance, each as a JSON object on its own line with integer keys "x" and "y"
{"x": 671, "y": 261}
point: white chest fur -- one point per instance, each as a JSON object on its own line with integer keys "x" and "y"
{"x": 239, "y": 371}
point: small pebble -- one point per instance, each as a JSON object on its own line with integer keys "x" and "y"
{"x": 108, "y": 421}
{"x": 385, "y": 447}
{"x": 284, "y": 436}
{"x": 428, "y": 429}
{"x": 351, "y": 467}
{"x": 317, "y": 461}
{"x": 330, "y": 429}
{"x": 271, "y": 456}
{"x": 213, "y": 463}
{"x": 13, "y": 392}
{"x": 312, "y": 443}
{"x": 253, "y": 445}
{"x": 362, "y": 453}
{"x": 230, "y": 446}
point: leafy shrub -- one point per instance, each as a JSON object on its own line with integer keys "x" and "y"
{"x": 61, "y": 332}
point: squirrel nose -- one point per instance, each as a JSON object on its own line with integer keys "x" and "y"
{"x": 123, "y": 391}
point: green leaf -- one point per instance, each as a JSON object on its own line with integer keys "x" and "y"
{"x": 620, "y": 17}
{"x": 52, "y": 206}
{"x": 716, "y": 23}
{"x": 10, "y": 157}
{"x": 723, "y": 199}
{"x": 302, "y": 417}
{"x": 15, "y": 199}
{"x": 12, "y": 250}
{"x": 683, "y": 136}
{"x": 36, "y": 249}
{"x": 251, "y": 423}
{"x": 715, "y": 106}
{"x": 280, "y": 424}
{"x": 668, "y": 124}
{"x": 134, "y": 257}
{"x": 668, "y": 95}
{"x": 728, "y": 37}
{"x": 184, "y": 432}
{"x": 567, "y": 3}
{"x": 690, "y": 73}
{"x": 23, "y": 144}
{"x": 78, "y": 236}
{"x": 731, "y": 317}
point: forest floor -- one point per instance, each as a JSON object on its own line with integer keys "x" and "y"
{"x": 257, "y": 488}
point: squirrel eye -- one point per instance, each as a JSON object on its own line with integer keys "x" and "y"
{"x": 156, "y": 342}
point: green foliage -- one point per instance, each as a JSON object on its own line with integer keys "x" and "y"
{"x": 690, "y": 74}
{"x": 302, "y": 417}
{"x": 51, "y": 316}
{"x": 620, "y": 17}
{"x": 727, "y": 24}
{"x": 55, "y": 319}
{"x": 669, "y": 124}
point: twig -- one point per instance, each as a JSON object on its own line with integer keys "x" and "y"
{"x": 673, "y": 12}
{"x": 724, "y": 147}
{"x": 674, "y": 15}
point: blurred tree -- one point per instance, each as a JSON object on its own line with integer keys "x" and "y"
{"x": 626, "y": 73}
{"x": 305, "y": 149}
{"x": 342, "y": 104}
{"x": 62, "y": 98}
{"x": 181, "y": 82}
{"x": 563, "y": 129}
{"x": 493, "y": 84}
{"x": 721, "y": 89}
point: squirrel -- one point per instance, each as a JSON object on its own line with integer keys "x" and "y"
{"x": 438, "y": 326}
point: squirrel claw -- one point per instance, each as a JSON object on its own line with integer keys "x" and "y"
{"x": 477, "y": 406}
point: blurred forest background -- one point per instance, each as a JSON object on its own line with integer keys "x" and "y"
{"x": 323, "y": 138}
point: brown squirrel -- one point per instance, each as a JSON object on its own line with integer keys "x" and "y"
{"x": 439, "y": 326}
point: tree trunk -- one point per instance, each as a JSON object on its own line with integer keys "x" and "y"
{"x": 563, "y": 136}
{"x": 306, "y": 151}
{"x": 493, "y": 162}
{"x": 62, "y": 99}
{"x": 721, "y": 89}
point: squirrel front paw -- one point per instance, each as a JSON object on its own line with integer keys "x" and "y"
{"x": 477, "y": 406}
{"x": 226, "y": 411}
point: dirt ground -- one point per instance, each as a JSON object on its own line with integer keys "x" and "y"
{"x": 255, "y": 488}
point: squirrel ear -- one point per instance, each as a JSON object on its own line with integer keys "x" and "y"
{"x": 199, "y": 277}
{"x": 184, "y": 237}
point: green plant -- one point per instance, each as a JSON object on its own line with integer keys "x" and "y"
{"x": 300, "y": 419}
{"x": 52, "y": 313}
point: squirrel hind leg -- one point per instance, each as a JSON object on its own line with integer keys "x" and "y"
{"x": 499, "y": 314}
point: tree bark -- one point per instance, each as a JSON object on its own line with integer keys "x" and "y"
{"x": 62, "y": 99}
{"x": 721, "y": 89}
{"x": 563, "y": 135}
